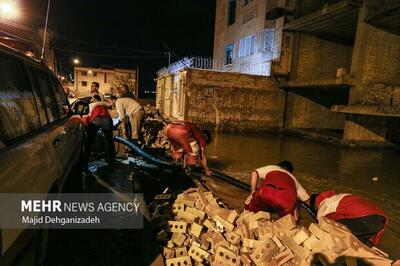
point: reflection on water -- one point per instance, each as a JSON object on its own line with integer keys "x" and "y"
{"x": 319, "y": 166}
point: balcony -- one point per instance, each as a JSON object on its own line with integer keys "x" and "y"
{"x": 334, "y": 22}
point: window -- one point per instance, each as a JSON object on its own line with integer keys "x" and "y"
{"x": 247, "y": 46}
{"x": 105, "y": 77}
{"x": 18, "y": 113}
{"x": 245, "y": 67}
{"x": 266, "y": 40}
{"x": 84, "y": 73}
{"x": 47, "y": 95}
{"x": 231, "y": 11}
{"x": 84, "y": 83}
{"x": 229, "y": 50}
{"x": 61, "y": 98}
{"x": 94, "y": 74}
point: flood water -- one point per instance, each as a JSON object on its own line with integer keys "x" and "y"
{"x": 319, "y": 167}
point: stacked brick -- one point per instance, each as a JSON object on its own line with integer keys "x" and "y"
{"x": 203, "y": 233}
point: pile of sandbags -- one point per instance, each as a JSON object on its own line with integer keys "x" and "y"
{"x": 203, "y": 232}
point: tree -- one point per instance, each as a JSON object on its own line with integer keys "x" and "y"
{"x": 124, "y": 78}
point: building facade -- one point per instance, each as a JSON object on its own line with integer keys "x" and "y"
{"x": 108, "y": 79}
{"x": 249, "y": 36}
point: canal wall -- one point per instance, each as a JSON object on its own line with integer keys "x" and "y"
{"x": 222, "y": 100}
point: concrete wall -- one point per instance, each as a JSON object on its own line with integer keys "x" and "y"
{"x": 233, "y": 101}
{"x": 319, "y": 59}
{"x": 375, "y": 62}
{"x": 303, "y": 113}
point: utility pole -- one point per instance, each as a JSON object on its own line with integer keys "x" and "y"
{"x": 45, "y": 29}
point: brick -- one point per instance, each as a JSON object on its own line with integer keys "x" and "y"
{"x": 261, "y": 215}
{"x": 168, "y": 253}
{"x": 266, "y": 231}
{"x": 162, "y": 198}
{"x": 252, "y": 243}
{"x": 177, "y": 227}
{"x": 233, "y": 238}
{"x": 186, "y": 216}
{"x": 232, "y": 217}
{"x": 200, "y": 214}
{"x": 199, "y": 254}
{"x": 296, "y": 249}
{"x": 286, "y": 223}
{"x": 284, "y": 257}
{"x": 178, "y": 241}
{"x": 186, "y": 202}
{"x": 195, "y": 229}
{"x": 176, "y": 207}
{"x": 227, "y": 256}
{"x": 170, "y": 244}
{"x": 181, "y": 252}
{"x": 227, "y": 226}
{"x": 320, "y": 234}
{"x": 302, "y": 235}
{"x": 209, "y": 225}
{"x": 311, "y": 242}
{"x": 265, "y": 252}
{"x": 178, "y": 261}
{"x": 297, "y": 261}
{"x": 246, "y": 260}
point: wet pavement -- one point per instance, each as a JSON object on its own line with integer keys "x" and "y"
{"x": 319, "y": 166}
{"x": 104, "y": 246}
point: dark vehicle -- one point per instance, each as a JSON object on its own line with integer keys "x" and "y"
{"x": 40, "y": 143}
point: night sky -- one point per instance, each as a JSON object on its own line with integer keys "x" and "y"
{"x": 106, "y": 27}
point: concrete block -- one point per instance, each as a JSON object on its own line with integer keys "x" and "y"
{"x": 265, "y": 252}
{"x": 233, "y": 238}
{"x": 284, "y": 256}
{"x": 178, "y": 241}
{"x": 245, "y": 259}
{"x": 261, "y": 215}
{"x": 286, "y": 223}
{"x": 301, "y": 235}
{"x": 177, "y": 227}
{"x": 232, "y": 217}
{"x": 200, "y": 214}
{"x": 227, "y": 256}
{"x": 179, "y": 261}
{"x": 186, "y": 216}
{"x": 176, "y": 207}
{"x": 209, "y": 225}
{"x": 296, "y": 249}
{"x": 181, "y": 252}
{"x": 199, "y": 254}
{"x": 227, "y": 226}
{"x": 195, "y": 229}
{"x": 168, "y": 253}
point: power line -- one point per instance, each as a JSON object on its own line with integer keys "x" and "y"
{"x": 108, "y": 55}
{"x": 109, "y": 46}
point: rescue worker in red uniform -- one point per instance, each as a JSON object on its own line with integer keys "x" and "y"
{"x": 189, "y": 141}
{"x": 364, "y": 219}
{"x": 278, "y": 191}
{"x": 98, "y": 117}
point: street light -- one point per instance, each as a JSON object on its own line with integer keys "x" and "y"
{"x": 7, "y": 9}
{"x": 76, "y": 61}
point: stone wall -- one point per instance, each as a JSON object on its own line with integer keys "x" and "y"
{"x": 233, "y": 101}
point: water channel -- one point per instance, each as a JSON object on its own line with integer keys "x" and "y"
{"x": 319, "y": 166}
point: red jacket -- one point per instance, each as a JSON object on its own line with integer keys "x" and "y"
{"x": 352, "y": 206}
{"x": 193, "y": 131}
{"x": 98, "y": 109}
